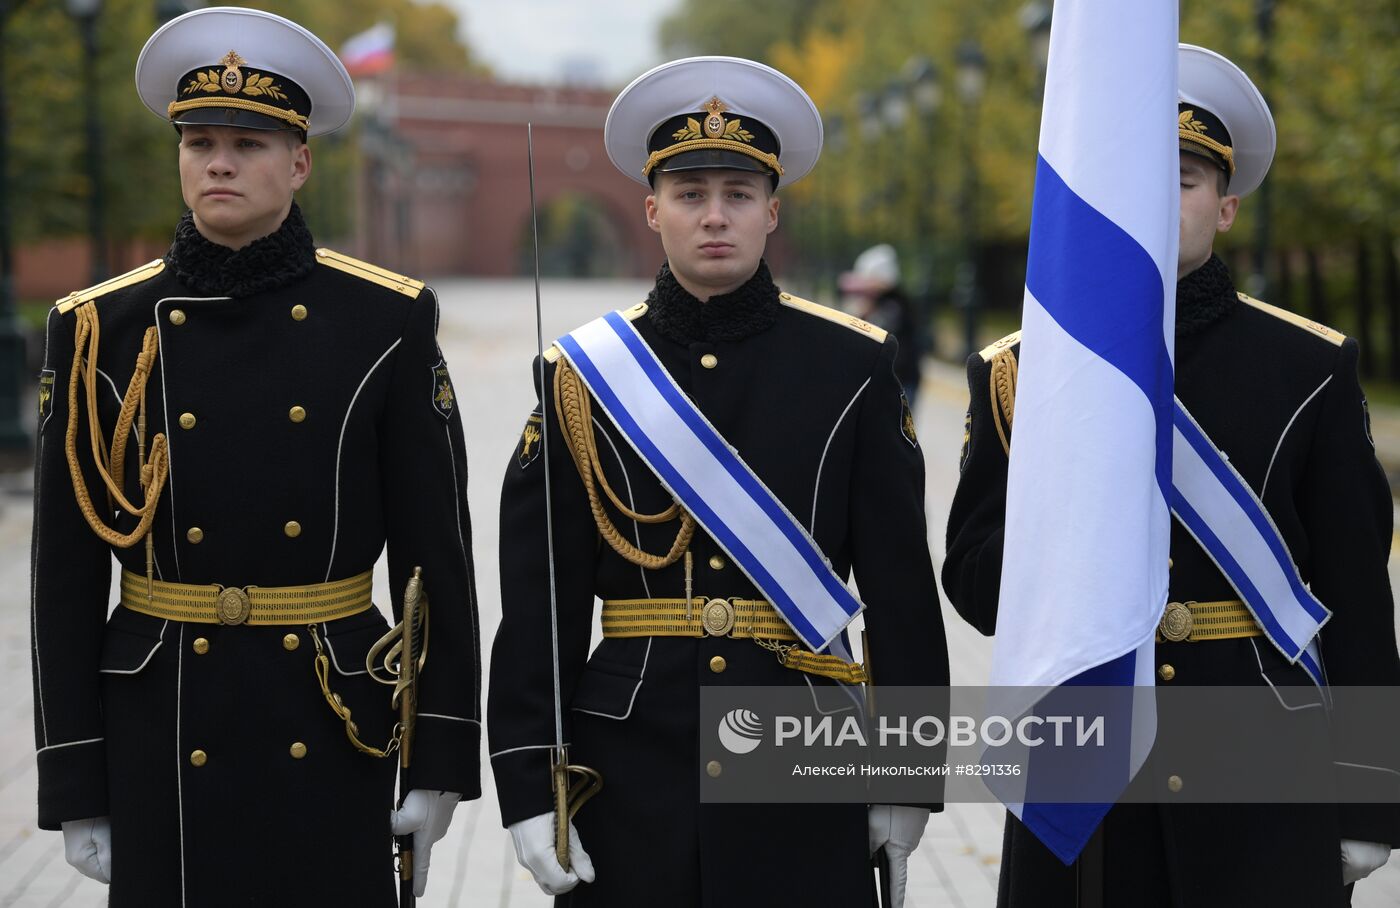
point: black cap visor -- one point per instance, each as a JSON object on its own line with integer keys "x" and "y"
{"x": 1201, "y": 151}
{"x": 228, "y": 116}
{"x": 712, "y": 159}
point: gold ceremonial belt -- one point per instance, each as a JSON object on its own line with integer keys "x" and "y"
{"x": 741, "y": 619}
{"x": 267, "y": 605}
{"x": 1197, "y": 621}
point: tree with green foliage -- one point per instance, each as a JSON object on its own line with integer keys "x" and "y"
{"x": 893, "y": 172}
{"x": 736, "y": 28}
{"x": 47, "y": 184}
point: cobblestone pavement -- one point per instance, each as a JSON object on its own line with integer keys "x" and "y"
{"x": 487, "y": 333}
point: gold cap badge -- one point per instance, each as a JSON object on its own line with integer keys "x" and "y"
{"x": 232, "y": 78}
{"x": 714, "y": 123}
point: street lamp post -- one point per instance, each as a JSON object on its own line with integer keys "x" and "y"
{"x": 1259, "y": 281}
{"x": 171, "y": 9}
{"x": 926, "y": 95}
{"x": 828, "y": 205}
{"x": 85, "y": 12}
{"x": 972, "y": 79}
{"x": 1035, "y": 21}
{"x": 894, "y": 115}
{"x": 871, "y": 128}
{"x": 14, "y": 440}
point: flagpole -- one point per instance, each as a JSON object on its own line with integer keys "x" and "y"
{"x": 1089, "y": 872}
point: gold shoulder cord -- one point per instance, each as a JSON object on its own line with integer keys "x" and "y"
{"x": 1003, "y": 390}
{"x": 572, "y": 404}
{"x": 110, "y": 465}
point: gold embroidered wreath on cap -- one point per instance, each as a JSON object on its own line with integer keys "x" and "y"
{"x": 733, "y": 130}
{"x": 232, "y": 82}
{"x": 1192, "y": 130}
{"x": 718, "y": 132}
{"x": 255, "y": 85}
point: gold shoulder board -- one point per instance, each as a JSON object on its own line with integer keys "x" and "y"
{"x": 135, "y": 276}
{"x": 372, "y": 273}
{"x": 996, "y": 347}
{"x": 552, "y": 352}
{"x": 833, "y": 315}
{"x": 1330, "y": 335}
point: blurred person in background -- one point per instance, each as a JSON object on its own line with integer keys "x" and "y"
{"x": 872, "y": 291}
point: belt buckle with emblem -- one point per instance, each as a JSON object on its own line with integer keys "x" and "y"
{"x": 717, "y": 617}
{"x": 233, "y": 605}
{"x": 1177, "y": 622}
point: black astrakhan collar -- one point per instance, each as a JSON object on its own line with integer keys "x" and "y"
{"x": 284, "y": 256}
{"x": 1204, "y": 297}
{"x": 748, "y": 310}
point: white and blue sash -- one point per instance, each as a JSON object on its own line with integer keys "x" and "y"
{"x": 1217, "y": 507}
{"x": 709, "y": 479}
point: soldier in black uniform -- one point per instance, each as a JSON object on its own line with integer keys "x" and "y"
{"x": 244, "y": 423}
{"x": 808, "y": 397}
{"x": 1279, "y": 395}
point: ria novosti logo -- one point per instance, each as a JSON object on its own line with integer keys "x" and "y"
{"x": 740, "y": 731}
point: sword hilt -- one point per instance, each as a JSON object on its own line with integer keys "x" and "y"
{"x": 569, "y": 795}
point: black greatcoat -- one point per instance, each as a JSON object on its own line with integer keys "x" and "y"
{"x": 809, "y": 399}
{"x": 1279, "y": 395}
{"x": 121, "y": 704}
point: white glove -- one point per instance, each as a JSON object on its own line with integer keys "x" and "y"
{"x": 897, "y": 830}
{"x": 87, "y": 845}
{"x": 534, "y": 849}
{"x": 1359, "y": 859}
{"x": 426, "y": 814}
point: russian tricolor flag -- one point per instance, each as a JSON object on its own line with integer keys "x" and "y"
{"x": 1088, "y": 524}
{"x": 370, "y": 52}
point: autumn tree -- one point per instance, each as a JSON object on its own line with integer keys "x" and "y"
{"x": 47, "y": 184}
{"x": 895, "y": 172}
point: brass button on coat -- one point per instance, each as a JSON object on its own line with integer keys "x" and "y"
{"x": 292, "y": 529}
{"x": 299, "y": 312}
{"x": 177, "y": 316}
{"x": 1166, "y": 672}
{"x": 195, "y": 535}
{"x": 297, "y": 750}
{"x": 187, "y": 420}
{"x": 716, "y": 562}
{"x": 717, "y": 664}
{"x": 291, "y": 642}
{"x": 709, "y": 360}
{"x": 1174, "y": 784}
{"x": 714, "y": 769}
{"x": 198, "y": 758}
{"x": 296, "y": 414}
{"x": 201, "y": 645}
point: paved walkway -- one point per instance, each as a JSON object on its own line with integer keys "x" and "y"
{"x": 487, "y": 333}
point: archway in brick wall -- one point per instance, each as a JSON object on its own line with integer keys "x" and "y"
{"x": 580, "y": 236}
{"x": 455, "y": 199}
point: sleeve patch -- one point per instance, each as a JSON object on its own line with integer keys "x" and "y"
{"x": 46, "y": 380}
{"x": 906, "y": 421}
{"x": 967, "y": 441}
{"x": 530, "y": 440}
{"x": 444, "y": 398}
{"x": 1366, "y": 420}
